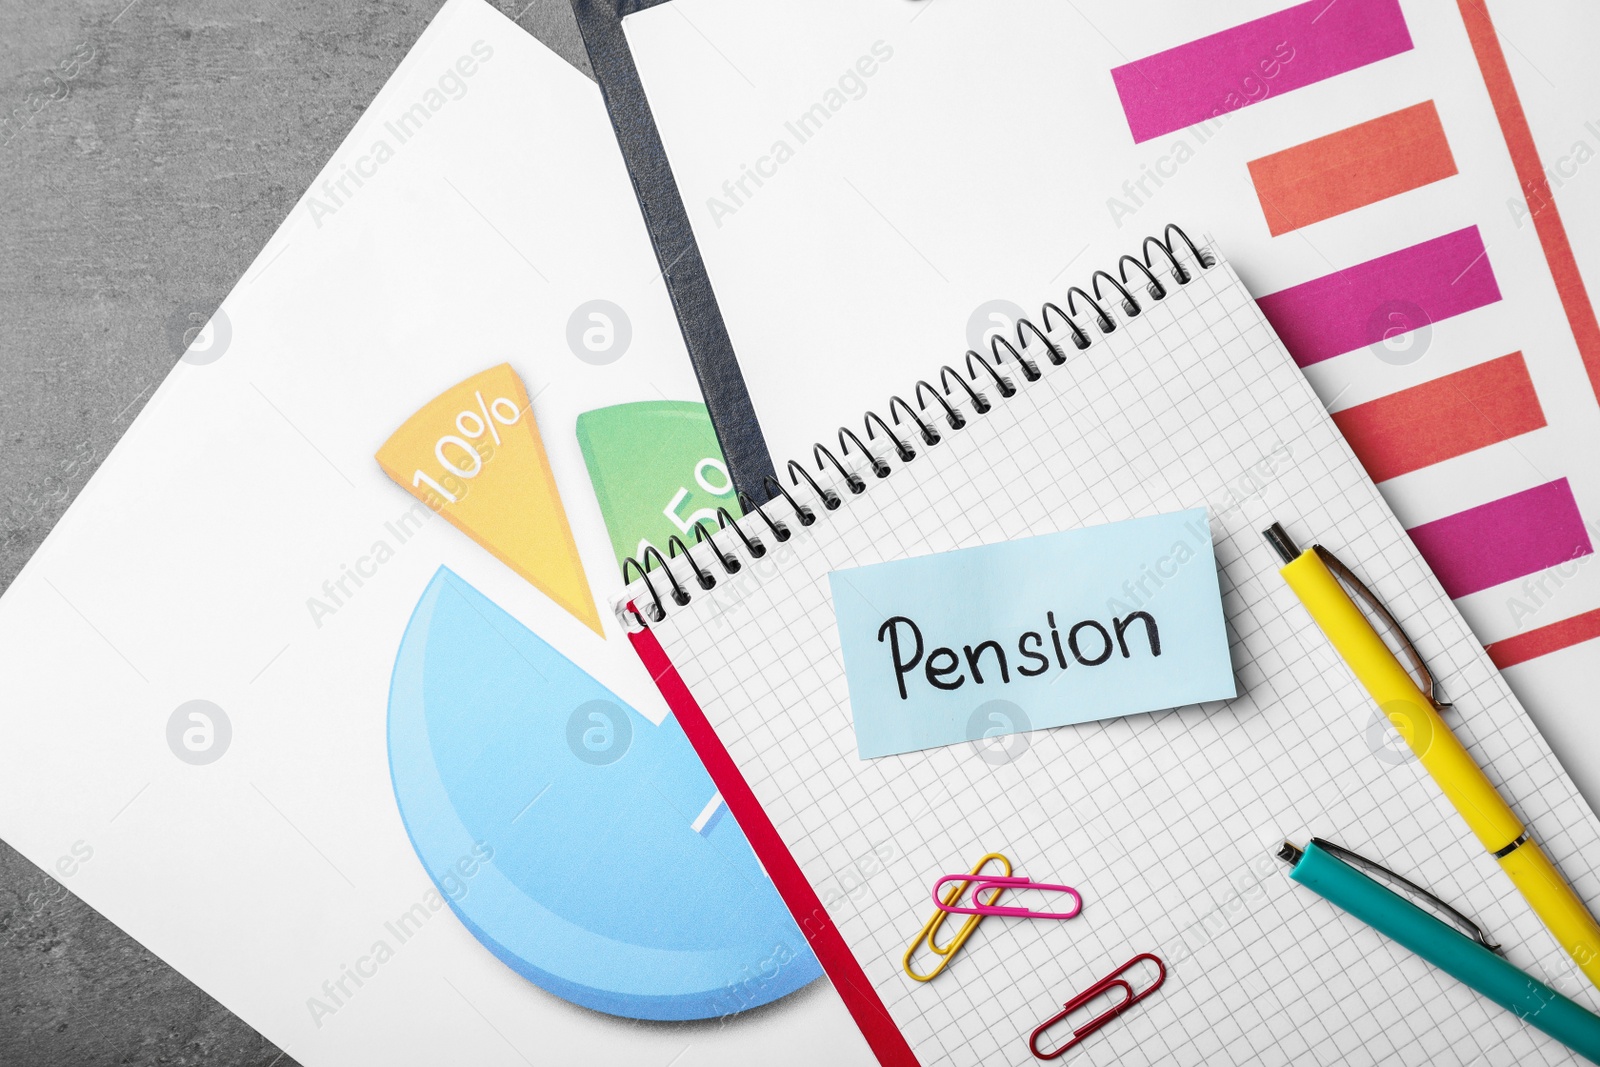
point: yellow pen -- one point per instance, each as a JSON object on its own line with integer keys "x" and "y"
{"x": 1314, "y": 576}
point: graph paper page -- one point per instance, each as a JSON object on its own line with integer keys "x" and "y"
{"x": 1167, "y": 823}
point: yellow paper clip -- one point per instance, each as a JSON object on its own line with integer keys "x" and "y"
{"x": 930, "y": 928}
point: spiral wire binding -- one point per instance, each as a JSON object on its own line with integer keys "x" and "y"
{"x": 920, "y": 427}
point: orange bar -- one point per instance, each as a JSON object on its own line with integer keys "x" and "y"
{"x": 1352, "y": 168}
{"x": 1535, "y": 186}
{"x": 1545, "y": 640}
{"x": 1444, "y": 418}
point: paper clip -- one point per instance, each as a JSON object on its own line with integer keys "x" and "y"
{"x": 930, "y": 928}
{"x": 979, "y": 908}
{"x": 1110, "y": 981}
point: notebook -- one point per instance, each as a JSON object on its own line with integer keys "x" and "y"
{"x": 930, "y": 169}
{"x": 1165, "y": 822}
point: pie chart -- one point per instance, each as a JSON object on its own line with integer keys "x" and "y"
{"x": 615, "y": 878}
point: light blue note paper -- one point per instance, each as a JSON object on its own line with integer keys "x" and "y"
{"x": 1051, "y": 630}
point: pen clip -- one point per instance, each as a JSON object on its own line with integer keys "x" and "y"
{"x": 1367, "y": 596}
{"x": 1466, "y": 925}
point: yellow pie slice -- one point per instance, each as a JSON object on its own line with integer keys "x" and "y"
{"x": 473, "y": 454}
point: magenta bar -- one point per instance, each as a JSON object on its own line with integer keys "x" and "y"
{"x": 1249, "y": 63}
{"x": 1382, "y": 298}
{"x": 1504, "y": 539}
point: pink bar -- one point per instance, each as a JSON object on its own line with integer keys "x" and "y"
{"x": 1393, "y": 294}
{"x": 1296, "y": 47}
{"x": 1504, "y": 539}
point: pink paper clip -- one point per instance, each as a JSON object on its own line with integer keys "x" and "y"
{"x": 982, "y": 883}
{"x": 1114, "y": 980}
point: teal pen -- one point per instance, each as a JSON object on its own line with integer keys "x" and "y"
{"x": 1471, "y": 961}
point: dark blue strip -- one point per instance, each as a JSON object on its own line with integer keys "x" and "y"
{"x": 688, "y": 284}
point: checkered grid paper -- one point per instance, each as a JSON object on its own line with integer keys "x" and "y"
{"x": 1167, "y": 822}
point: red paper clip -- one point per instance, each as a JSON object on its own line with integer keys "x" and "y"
{"x": 997, "y": 882}
{"x": 1110, "y": 981}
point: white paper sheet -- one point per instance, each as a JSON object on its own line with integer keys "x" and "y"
{"x": 184, "y": 571}
{"x": 987, "y": 154}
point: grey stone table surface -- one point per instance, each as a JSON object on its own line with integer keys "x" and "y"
{"x": 148, "y": 150}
